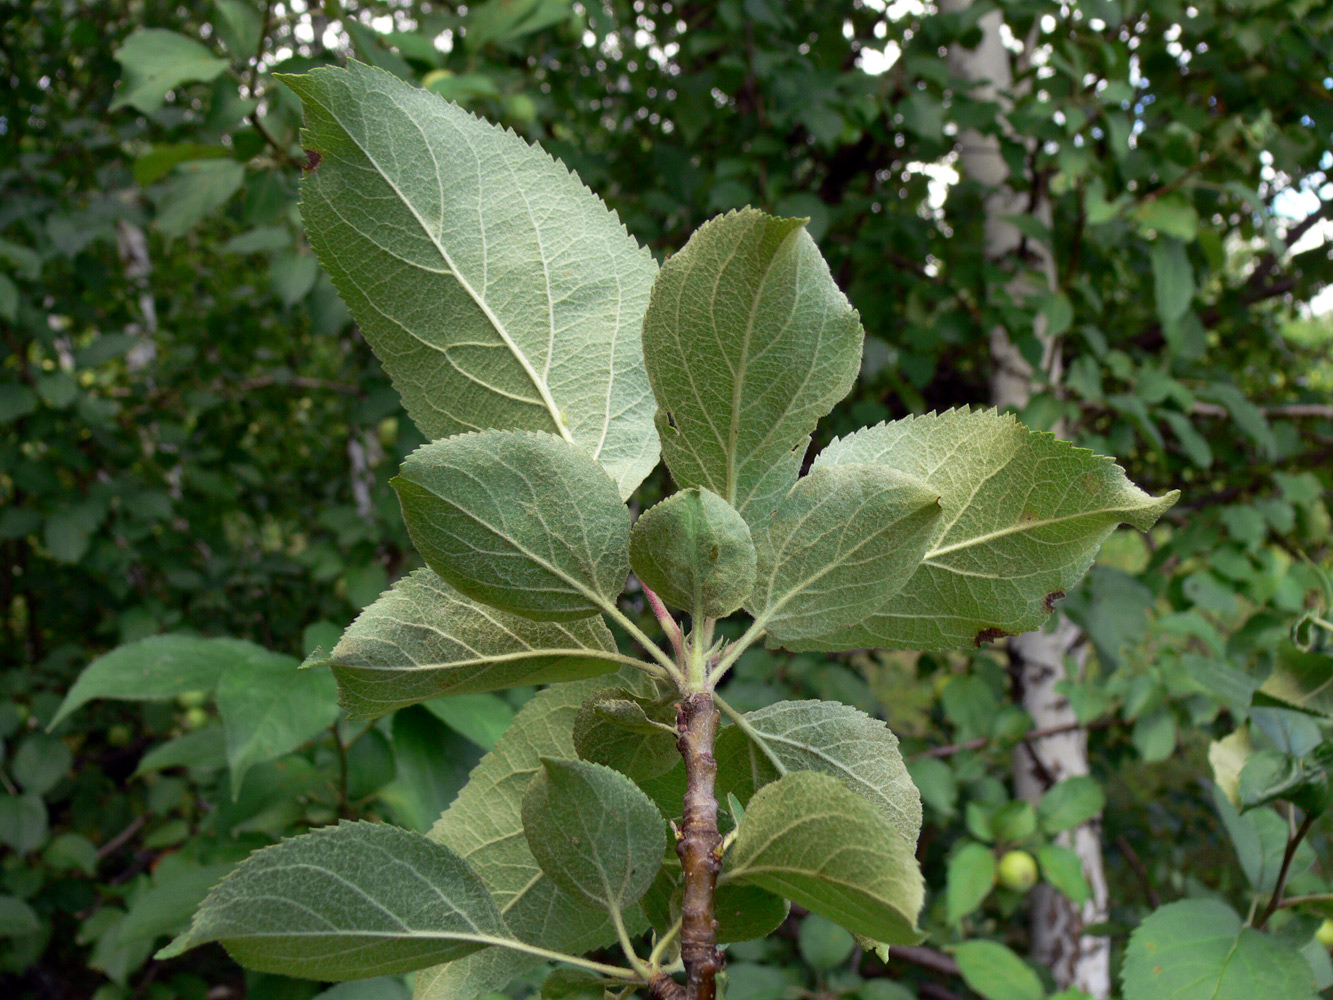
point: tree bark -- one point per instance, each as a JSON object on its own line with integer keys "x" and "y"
{"x": 1039, "y": 658}
{"x": 699, "y": 846}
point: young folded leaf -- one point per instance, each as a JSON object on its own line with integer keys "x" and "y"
{"x": 497, "y": 290}
{"x": 747, "y": 342}
{"x": 826, "y": 736}
{"x": 423, "y": 639}
{"x": 347, "y": 902}
{"x": 839, "y": 545}
{"x": 808, "y": 838}
{"x": 1024, "y": 516}
{"x": 595, "y": 834}
{"x": 527, "y": 523}
{"x": 695, "y": 551}
{"x": 636, "y": 736}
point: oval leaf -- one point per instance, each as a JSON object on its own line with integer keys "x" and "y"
{"x": 748, "y": 342}
{"x": 996, "y": 973}
{"x": 594, "y": 833}
{"x": 526, "y": 523}
{"x": 635, "y": 736}
{"x": 841, "y": 543}
{"x": 498, "y": 291}
{"x": 695, "y": 551}
{"x": 807, "y": 838}
{"x": 423, "y": 639}
{"x": 347, "y": 902}
{"x": 1012, "y": 497}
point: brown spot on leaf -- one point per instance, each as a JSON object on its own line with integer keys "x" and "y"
{"x": 989, "y": 635}
{"x": 312, "y": 160}
{"x": 1051, "y": 598}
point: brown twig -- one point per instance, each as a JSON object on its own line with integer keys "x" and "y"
{"x": 927, "y": 958}
{"x": 983, "y": 741}
{"x": 699, "y": 845}
{"x": 1292, "y": 843}
{"x": 122, "y": 838}
{"x": 1140, "y": 869}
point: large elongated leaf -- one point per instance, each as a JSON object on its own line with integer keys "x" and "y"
{"x": 1198, "y": 949}
{"x": 841, "y": 543}
{"x": 527, "y": 523}
{"x": 163, "y": 666}
{"x": 595, "y": 834}
{"x": 1024, "y": 516}
{"x": 484, "y": 825}
{"x": 748, "y": 342}
{"x": 496, "y": 289}
{"x": 269, "y": 708}
{"x": 808, "y": 838}
{"x": 347, "y": 902}
{"x": 424, "y": 639}
{"x": 826, "y": 736}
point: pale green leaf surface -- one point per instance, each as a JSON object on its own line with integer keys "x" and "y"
{"x": 1024, "y": 516}
{"x": 194, "y": 191}
{"x": 347, "y": 902}
{"x": 748, "y": 342}
{"x": 1063, "y": 868}
{"x": 970, "y": 879}
{"x": 17, "y": 918}
{"x": 484, "y": 825}
{"x": 694, "y": 550}
{"x": 594, "y": 833}
{"x": 423, "y": 639}
{"x": 1197, "y": 949}
{"x": 1070, "y": 803}
{"x": 163, "y": 666}
{"x": 996, "y": 973}
{"x": 634, "y": 735}
{"x": 838, "y": 547}
{"x": 1302, "y": 679}
{"x": 496, "y": 289}
{"x": 269, "y": 708}
{"x": 826, "y": 736}
{"x": 524, "y": 522}
{"x": 806, "y": 837}
{"x": 156, "y": 61}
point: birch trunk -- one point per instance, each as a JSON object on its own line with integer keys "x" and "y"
{"x": 1039, "y": 658}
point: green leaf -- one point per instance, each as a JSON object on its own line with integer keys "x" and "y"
{"x": 1227, "y": 758}
{"x": 695, "y": 551}
{"x": 152, "y": 166}
{"x": 594, "y": 833}
{"x": 840, "y": 544}
{"x": 240, "y": 26}
{"x": 1302, "y": 680}
{"x": 748, "y": 342}
{"x": 1198, "y": 949}
{"x": 743, "y": 912}
{"x": 971, "y": 876}
{"x": 161, "y": 667}
{"x": 826, "y": 736}
{"x": 347, "y": 902}
{"x": 423, "y": 639}
{"x": 17, "y": 918}
{"x": 155, "y": 61}
{"x": 23, "y": 823}
{"x": 822, "y": 943}
{"x": 1070, "y": 803}
{"x": 1172, "y": 215}
{"x": 996, "y": 973}
{"x": 1063, "y": 868}
{"x": 496, "y": 289}
{"x": 196, "y": 190}
{"x": 431, "y": 765}
{"x": 525, "y": 522}
{"x": 177, "y": 886}
{"x": 572, "y": 984}
{"x": 1173, "y": 278}
{"x": 484, "y": 825}
{"x": 269, "y": 707}
{"x": 636, "y": 736}
{"x": 204, "y": 749}
{"x": 807, "y": 838}
{"x": 482, "y": 718}
{"x": 1011, "y": 497}
{"x": 40, "y": 762}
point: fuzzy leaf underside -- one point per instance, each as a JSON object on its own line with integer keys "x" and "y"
{"x": 1024, "y": 514}
{"x": 825, "y": 736}
{"x": 497, "y": 290}
{"x": 484, "y": 825}
{"x": 808, "y": 838}
{"x": 841, "y": 543}
{"x": 347, "y": 902}
{"x": 422, "y": 639}
{"x": 747, "y": 342}
{"x": 524, "y": 522}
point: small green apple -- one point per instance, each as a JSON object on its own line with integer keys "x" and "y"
{"x": 1017, "y": 871}
{"x": 192, "y": 699}
{"x": 119, "y": 735}
{"x": 195, "y": 718}
{"x": 1325, "y": 934}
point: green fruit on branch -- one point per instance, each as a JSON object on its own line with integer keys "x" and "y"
{"x": 1325, "y": 934}
{"x": 1017, "y": 871}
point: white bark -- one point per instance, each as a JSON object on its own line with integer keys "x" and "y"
{"x": 1057, "y": 924}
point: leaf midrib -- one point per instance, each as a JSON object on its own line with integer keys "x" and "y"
{"x": 538, "y": 383}
{"x": 1015, "y": 529}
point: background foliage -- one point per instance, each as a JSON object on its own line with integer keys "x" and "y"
{"x": 194, "y": 440}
